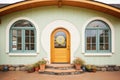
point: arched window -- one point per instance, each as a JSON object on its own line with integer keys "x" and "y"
{"x": 97, "y": 37}
{"x": 22, "y": 37}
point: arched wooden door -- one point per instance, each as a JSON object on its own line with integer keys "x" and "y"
{"x": 60, "y": 46}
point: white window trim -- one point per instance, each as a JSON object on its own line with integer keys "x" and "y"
{"x": 112, "y": 38}
{"x": 22, "y": 54}
{"x": 98, "y": 54}
{"x": 37, "y": 37}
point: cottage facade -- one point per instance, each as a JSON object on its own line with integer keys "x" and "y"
{"x": 60, "y": 31}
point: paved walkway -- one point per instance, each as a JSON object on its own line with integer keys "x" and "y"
{"x": 21, "y": 75}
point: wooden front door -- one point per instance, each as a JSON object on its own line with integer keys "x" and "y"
{"x": 60, "y": 46}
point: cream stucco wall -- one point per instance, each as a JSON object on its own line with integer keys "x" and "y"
{"x": 42, "y": 17}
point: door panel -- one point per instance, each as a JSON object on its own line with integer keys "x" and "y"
{"x": 60, "y": 46}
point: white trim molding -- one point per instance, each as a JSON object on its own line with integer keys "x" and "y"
{"x": 23, "y": 54}
{"x": 7, "y": 35}
{"x": 112, "y": 37}
{"x": 98, "y": 54}
{"x": 74, "y": 35}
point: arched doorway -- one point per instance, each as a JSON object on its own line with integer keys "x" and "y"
{"x": 60, "y": 46}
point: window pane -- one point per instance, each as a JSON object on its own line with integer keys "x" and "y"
{"x": 102, "y": 47}
{"x": 88, "y": 47}
{"x": 19, "y": 47}
{"x": 60, "y": 40}
{"x": 91, "y": 39}
{"x": 19, "y": 33}
{"x": 93, "y": 46}
{"x": 14, "y": 32}
{"x": 32, "y": 47}
{"x": 106, "y": 46}
{"x": 14, "y": 39}
{"x": 29, "y": 40}
{"x": 32, "y": 39}
{"x": 27, "y": 33}
{"x": 22, "y": 23}
{"x": 19, "y": 40}
{"x": 104, "y": 40}
{"x": 94, "y": 39}
{"x": 97, "y": 24}
{"x": 101, "y": 39}
{"x": 27, "y": 47}
{"x": 91, "y": 36}
{"x": 32, "y": 33}
{"x": 106, "y": 33}
{"x": 103, "y": 33}
{"x": 27, "y": 43}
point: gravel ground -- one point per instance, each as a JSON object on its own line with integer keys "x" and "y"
{"x": 21, "y": 75}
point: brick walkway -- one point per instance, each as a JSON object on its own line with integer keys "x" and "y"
{"x": 21, "y": 75}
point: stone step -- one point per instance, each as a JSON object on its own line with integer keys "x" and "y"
{"x": 60, "y": 66}
{"x": 52, "y": 71}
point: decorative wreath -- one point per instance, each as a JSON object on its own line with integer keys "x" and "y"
{"x": 60, "y": 39}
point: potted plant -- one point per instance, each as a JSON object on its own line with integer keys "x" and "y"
{"x": 83, "y": 68}
{"x": 91, "y": 68}
{"x": 78, "y": 62}
{"x": 1, "y": 67}
{"x": 42, "y": 64}
{"x": 5, "y": 68}
{"x": 30, "y": 68}
{"x": 94, "y": 68}
{"x": 88, "y": 68}
{"x": 36, "y": 66}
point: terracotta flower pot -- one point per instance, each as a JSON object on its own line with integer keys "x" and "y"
{"x": 78, "y": 66}
{"x": 94, "y": 70}
{"x": 42, "y": 67}
{"x": 37, "y": 68}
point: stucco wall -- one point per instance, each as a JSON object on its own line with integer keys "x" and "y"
{"x": 43, "y": 16}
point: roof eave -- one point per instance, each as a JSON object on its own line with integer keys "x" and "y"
{"x": 76, "y": 3}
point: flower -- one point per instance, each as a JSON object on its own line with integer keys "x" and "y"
{"x": 78, "y": 61}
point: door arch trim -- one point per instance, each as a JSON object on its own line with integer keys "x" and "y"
{"x": 46, "y": 35}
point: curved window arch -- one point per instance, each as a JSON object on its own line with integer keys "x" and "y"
{"x": 97, "y": 37}
{"x": 22, "y": 37}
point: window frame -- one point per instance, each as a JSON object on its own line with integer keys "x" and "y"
{"x": 90, "y": 54}
{"x": 22, "y": 41}
{"x": 23, "y": 29}
{"x": 34, "y": 53}
{"x": 98, "y": 38}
